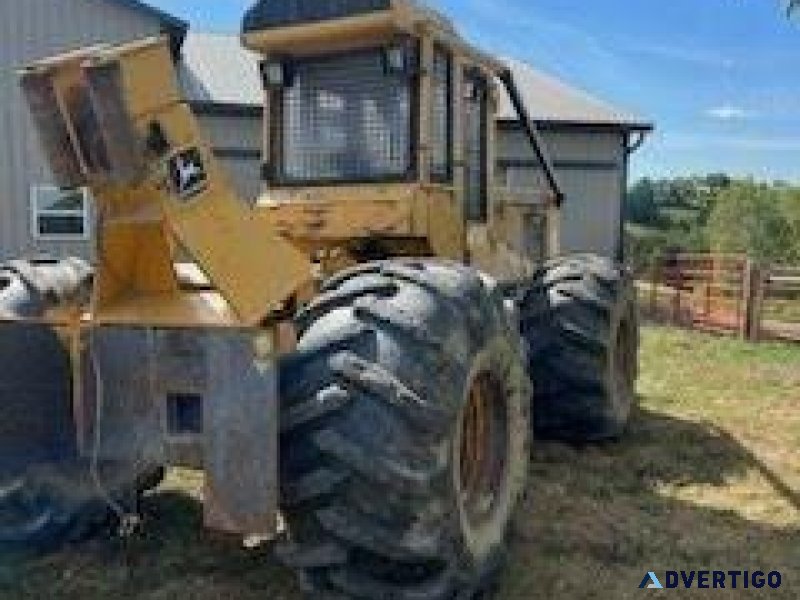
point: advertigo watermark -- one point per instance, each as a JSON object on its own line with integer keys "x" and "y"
{"x": 717, "y": 580}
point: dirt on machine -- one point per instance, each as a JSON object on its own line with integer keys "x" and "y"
{"x": 365, "y": 349}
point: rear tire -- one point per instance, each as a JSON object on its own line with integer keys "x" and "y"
{"x": 579, "y": 319}
{"x": 51, "y": 505}
{"x": 47, "y": 496}
{"x": 405, "y": 434}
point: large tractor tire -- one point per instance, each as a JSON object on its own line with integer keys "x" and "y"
{"x": 47, "y": 495}
{"x": 579, "y": 319}
{"x": 405, "y": 434}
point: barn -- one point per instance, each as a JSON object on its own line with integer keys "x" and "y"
{"x": 590, "y": 142}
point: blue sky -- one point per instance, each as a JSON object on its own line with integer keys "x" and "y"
{"x": 719, "y": 78}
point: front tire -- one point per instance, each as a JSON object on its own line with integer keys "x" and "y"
{"x": 405, "y": 433}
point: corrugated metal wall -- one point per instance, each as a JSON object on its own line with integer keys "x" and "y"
{"x": 31, "y": 29}
{"x": 236, "y": 140}
{"x": 591, "y": 168}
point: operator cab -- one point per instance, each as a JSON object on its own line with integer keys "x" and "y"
{"x": 372, "y": 92}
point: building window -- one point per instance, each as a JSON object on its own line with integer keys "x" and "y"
{"x": 60, "y": 214}
{"x": 441, "y": 117}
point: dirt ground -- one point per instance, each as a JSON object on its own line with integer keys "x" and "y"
{"x": 707, "y": 478}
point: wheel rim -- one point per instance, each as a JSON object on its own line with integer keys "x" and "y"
{"x": 484, "y": 448}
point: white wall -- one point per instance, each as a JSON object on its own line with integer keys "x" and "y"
{"x": 590, "y": 165}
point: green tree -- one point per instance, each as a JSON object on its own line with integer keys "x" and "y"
{"x": 641, "y": 206}
{"x": 718, "y": 181}
{"x": 790, "y": 207}
{"x": 713, "y": 213}
{"x": 749, "y": 218}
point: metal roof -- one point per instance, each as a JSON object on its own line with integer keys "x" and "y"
{"x": 166, "y": 18}
{"x": 174, "y": 27}
{"x": 550, "y": 100}
{"x": 217, "y": 71}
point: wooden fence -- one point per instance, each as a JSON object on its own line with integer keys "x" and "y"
{"x": 723, "y": 293}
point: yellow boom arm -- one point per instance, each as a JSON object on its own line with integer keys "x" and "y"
{"x": 112, "y": 119}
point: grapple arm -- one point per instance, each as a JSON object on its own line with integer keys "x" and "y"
{"x": 112, "y": 119}
{"x": 160, "y": 373}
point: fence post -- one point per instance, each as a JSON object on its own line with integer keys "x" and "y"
{"x": 762, "y": 280}
{"x": 753, "y": 300}
{"x": 676, "y": 307}
{"x": 746, "y": 300}
{"x": 655, "y": 282}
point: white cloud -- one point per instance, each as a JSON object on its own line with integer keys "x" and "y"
{"x": 727, "y": 112}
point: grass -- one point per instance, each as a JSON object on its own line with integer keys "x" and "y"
{"x": 707, "y": 478}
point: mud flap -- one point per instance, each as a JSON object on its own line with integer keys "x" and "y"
{"x": 231, "y": 400}
{"x": 241, "y": 438}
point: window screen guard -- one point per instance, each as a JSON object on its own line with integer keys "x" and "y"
{"x": 345, "y": 119}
